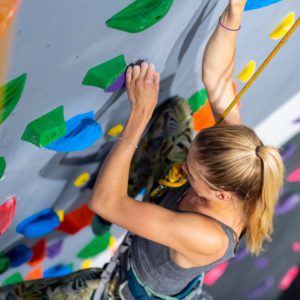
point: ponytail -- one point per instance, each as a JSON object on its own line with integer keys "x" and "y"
{"x": 261, "y": 210}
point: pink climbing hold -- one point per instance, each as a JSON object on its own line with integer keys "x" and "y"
{"x": 294, "y": 176}
{"x": 289, "y": 277}
{"x": 7, "y": 211}
{"x": 214, "y": 274}
{"x": 296, "y": 246}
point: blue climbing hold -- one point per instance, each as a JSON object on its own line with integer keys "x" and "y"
{"x": 82, "y": 132}
{"x": 39, "y": 224}
{"x": 255, "y": 4}
{"x": 59, "y": 270}
{"x": 19, "y": 255}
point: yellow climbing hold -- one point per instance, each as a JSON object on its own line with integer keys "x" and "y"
{"x": 175, "y": 178}
{"x": 112, "y": 242}
{"x": 61, "y": 215}
{"x": 249, "y": 70}
{"x": 82, "y": 179}
{"x": 116, "y": 130}
{"x": 86, "y": 264}
{"x": 284, "y": 26}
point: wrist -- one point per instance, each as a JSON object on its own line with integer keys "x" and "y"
{"x": 231, "y": 18}
{"x": 137, "y": 116}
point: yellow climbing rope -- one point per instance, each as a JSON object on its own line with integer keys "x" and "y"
{"x": 259, "y": 71}
{"x": 176, "y": 177}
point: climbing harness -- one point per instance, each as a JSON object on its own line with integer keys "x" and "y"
{"x": 259, "y": 71}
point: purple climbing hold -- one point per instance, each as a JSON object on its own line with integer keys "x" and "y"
{"x": 287, "y": 204}
{"x": 117, "y": 85}
{"x": 261, "y": 289}
{"x": 261, "y": 262}
{"x": 241, "y": 254}
{"x": 287, "y": 151}
{"x": 296, "y": 121}
{"x": 54, "y": 249}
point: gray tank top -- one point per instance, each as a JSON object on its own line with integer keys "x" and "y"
{"x": 153, "y": 263}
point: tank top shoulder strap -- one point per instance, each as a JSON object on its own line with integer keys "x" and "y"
{"x": 224, "y": 225}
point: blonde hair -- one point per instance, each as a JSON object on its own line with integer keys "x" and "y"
{"x": 234, "y": 159}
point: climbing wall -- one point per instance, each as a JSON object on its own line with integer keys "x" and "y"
{"x": 63, "y": 102}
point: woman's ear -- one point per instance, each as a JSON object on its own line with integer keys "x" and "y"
{"x": 222, "y": 195}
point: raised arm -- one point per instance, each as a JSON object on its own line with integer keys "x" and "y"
{"x": 218, "y": 62}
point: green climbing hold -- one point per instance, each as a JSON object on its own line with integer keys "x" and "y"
{"x": 15, "y": 278}
{"x": 10, "y": 95}
{"x": 2, "y": 166}
{"x": 4, "y": 263}
{"x": 46, "y": 129}
{"x": 198, "y": 100}
{"x": 104, "y": 75}
{"x": 140, "y": 15}
{"x": 95, "y": 246}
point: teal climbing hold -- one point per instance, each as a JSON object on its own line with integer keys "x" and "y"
{"x": 140, "y": 15}
{"x": 10, "y": 95}
{"x": 100, "y": 226}
{"x": 95, "y": 246}
{"x": 13, "y": 279}
{"x": 46, "y": 129}
{"x": 4, "y": 263}
{"x": 2, "y": 166}
{"x": 105, "y": 74}
{"x": 197, "y": 100}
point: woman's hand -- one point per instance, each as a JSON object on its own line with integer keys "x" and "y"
{"x": 142, "y": 84}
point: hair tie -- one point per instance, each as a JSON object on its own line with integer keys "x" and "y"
{"x": 230, "y": 29}
{"x": 257, "y": 150}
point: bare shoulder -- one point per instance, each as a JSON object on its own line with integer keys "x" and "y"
{"x": 206, "y": 241}
{"x": 188, "y": 233}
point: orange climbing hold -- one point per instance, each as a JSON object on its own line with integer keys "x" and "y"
{"x": 76, "y": 220}
{"x": 35, "y": 274}
{"x": 8, "y": 9}
{"x": 7, "y": 212}
{"x": 204, "y": 117}
{"x": 38, "y": 253}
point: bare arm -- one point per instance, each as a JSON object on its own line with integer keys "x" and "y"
{"x": 218, "y": 63}
{"x": 190, "y": 234}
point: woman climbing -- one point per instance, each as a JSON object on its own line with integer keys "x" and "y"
{"x": 234, "y": 183}
{"x": 233, "y": 186}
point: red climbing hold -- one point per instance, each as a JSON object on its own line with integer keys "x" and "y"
{"x": 7, "y": 211}
{"x": 38, "y": 253}
{"x": 76, "y": 220}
